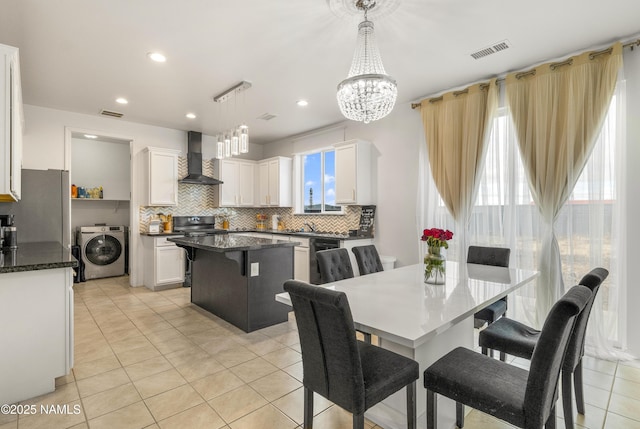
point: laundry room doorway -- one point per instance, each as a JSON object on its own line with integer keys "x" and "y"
{"x": 100, "y": 175}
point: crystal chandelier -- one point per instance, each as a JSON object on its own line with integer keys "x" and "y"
{"x": 235, "y": 140}
{"x": 367, "y": 94}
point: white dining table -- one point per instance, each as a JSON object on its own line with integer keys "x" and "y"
{"x": 423, "y": 321}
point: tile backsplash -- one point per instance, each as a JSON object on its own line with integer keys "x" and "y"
{"x": 199, "y": 200}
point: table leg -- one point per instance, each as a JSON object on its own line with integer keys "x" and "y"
{"x": 391, "y": 413}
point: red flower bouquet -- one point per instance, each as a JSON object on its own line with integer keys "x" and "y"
{"x": 436, "y": 237}
{"x": 434, "y": 262}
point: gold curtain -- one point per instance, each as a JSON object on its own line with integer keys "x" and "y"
{"x": 456, "y": 127}
{"x": 558, "y": 110}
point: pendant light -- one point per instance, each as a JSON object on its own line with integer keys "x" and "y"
{"x": 367, "y": 94}
{"x": 244, "y": 139}
{"x": 235, "y": 140}
{"x": 219, "y": 147}
{"x": 227, "y": 145}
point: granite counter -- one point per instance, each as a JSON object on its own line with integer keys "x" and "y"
{"x": 36, "y": 256}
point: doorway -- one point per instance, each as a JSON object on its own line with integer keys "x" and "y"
{"x": 100, "y": 170}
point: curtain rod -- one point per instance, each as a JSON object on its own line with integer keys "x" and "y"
{"x": 630, "y": 45}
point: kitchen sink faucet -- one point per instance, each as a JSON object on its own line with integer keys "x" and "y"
{"x": 312, "y": 226}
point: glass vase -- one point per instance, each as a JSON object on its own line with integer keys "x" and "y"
{"x": 435, "y": 266}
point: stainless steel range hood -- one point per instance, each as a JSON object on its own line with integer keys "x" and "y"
{"x": 194, "y": 162}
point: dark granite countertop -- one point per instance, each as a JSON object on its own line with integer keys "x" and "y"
{"x": 305, "y": 234}
{"x": 44, "y": 255}
{"x": 163, "y": 234}
{"x": 227, "y": 243}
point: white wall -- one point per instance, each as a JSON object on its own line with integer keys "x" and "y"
{"x": 44, "y": 148}
{"x": 395, "y": 141}
{"x": 88, "y": 212}
{"x": 103, "y": 164}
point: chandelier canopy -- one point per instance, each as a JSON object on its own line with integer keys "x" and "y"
{"x": 367, "y": 94}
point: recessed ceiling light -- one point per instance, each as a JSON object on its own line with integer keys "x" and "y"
{"x": 157, "y": 57}
{"x": 190, "y": 115}
{"x": 122, "y": 100}
{"x": 90, "y": 136}
{"x": 302, "y": 103}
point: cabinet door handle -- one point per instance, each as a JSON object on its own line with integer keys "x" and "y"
{"x": 353, "y": 194}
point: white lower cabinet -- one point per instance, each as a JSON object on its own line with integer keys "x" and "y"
{"x": 301, "y": 261}
{"x": 164, "y": 263}
{"x": 36, "y": 312}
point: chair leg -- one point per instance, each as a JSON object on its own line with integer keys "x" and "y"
{"x": 308, "y": 408}
{"x": 411, "y": 406}
{"x": 578, "y": 386}
{"x": 551, "y": 421}
{"x": 432, "y": 410}
{"x": 566, "y": 399}
{"x": 503, "y": 356}
{"x": 358, "y": 421}
{"x": 367, "y": 338}
{"x": 459, "y": 414}
{"x": 485, "y": 351}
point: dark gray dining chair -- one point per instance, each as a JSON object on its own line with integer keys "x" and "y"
{"x": 368, "y": 259}
{"x": 498, "y": 257}
{"x": 350, "y": 373}
{"x": 334, "y": 265}
{"x": 517, "y": 339}
{"x": 523, "y": 398}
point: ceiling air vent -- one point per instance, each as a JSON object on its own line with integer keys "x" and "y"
{"x": 267, "y": 117}
{"x": 496, "y": 47}
{"x": 111, "y": 113}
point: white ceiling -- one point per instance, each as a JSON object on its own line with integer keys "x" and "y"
{"x": 80, "y": 55}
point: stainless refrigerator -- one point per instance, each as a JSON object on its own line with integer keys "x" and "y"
{"x": 43, "y": 212}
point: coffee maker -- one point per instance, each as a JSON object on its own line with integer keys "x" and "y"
{"x": 8, "y": 232}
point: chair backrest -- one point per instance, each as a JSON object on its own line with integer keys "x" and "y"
{"x": 330, "y": 357}
{"x": 546, "y": 362}
{"x": 496, "y": 256}
{"x": 334, "y": 265}
{"x": 593, "y": 279}
{"x": 368, "y": 259}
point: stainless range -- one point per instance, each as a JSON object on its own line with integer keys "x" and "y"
{"x": 195, "y": 226}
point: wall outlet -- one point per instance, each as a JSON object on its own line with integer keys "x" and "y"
{"x": 255, "y": 269}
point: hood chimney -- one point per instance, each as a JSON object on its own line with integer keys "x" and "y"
{"x": 194, "y": 162}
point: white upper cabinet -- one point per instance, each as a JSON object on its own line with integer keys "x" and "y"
{"x": 162, "y": 176}
{"x": 237, "y": 189}
{"x": 11, "y": 125}
{"x": 274, "y": 182}
{"x": 353, "y": 173}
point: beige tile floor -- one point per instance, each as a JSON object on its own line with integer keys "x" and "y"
{"x": 150, "y": 359}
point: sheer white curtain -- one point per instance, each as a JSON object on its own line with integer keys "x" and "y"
{"x": 505, "y": 215}
{"x": 590, "y": 228}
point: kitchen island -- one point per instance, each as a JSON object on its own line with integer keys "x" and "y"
{"x": 36, "y": 312}
{"x": 236, "y": 277}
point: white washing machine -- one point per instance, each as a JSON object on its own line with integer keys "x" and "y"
{"x": 103, "y": 250}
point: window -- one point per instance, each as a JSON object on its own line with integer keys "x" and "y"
{"x": 505, "y": 214}
{"x": 319, "y": 187}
